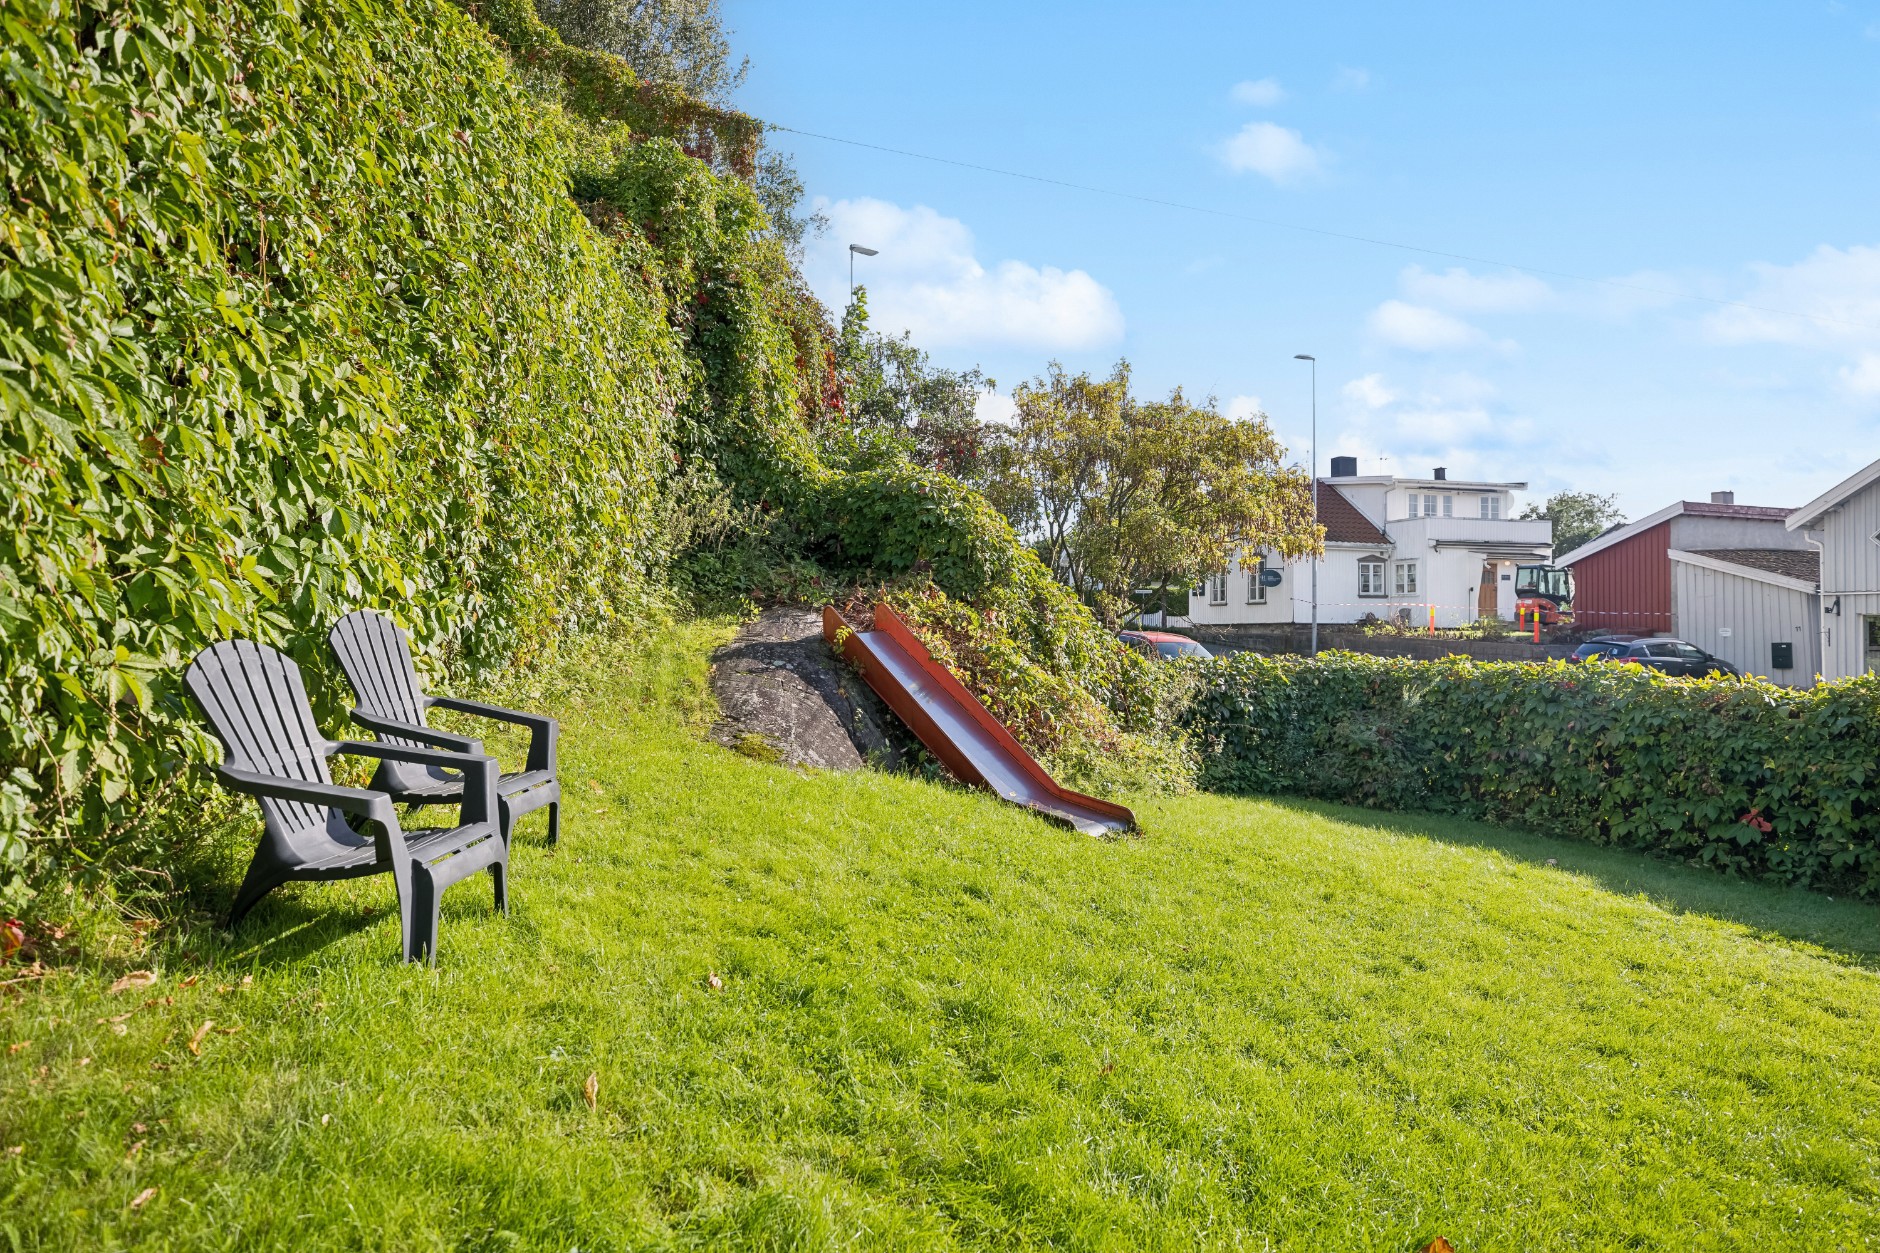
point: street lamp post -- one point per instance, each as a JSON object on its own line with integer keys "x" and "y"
{"x": 866, "y": 252}
{"x": 1300, "y": 356}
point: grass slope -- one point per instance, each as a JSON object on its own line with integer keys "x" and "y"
{"x": 943, "y": 1023}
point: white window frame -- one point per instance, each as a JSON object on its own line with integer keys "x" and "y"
{"x": 1491, "y": 507}
{"x": 1256, "y": 591}
{"x": 1371, "y": 575}
{"x": 1406, "y": 586}
{"x": 1217, "y": 589}
{"x": 1449, "y": 506}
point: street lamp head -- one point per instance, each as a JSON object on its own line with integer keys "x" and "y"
{"x": 866, "y": 252}
{"x": 1300, "y": 356}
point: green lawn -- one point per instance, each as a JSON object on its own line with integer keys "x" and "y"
{"x": 943, "y": 1023}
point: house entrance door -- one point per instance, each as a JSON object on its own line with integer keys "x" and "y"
{"x": 1486, "y": 605}
{"x": 1873, "y": 643}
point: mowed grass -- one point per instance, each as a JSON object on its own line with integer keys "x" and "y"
{"x": 943, "y": 1023}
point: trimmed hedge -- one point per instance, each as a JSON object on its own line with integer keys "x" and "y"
{"x": 1747, "y": 776}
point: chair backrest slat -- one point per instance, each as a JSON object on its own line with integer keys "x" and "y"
{"x": 257, "y": 706}
{"x": 376, "y": 656}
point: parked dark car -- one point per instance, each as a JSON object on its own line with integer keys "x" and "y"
{"x": 1162, "y": 644}
{"x": 1658, "y": 652}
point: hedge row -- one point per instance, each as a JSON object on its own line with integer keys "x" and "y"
{"x": 1747, "y": 776}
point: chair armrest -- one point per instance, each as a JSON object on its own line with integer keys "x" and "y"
{"x": 479, "y": 772}
{"x": 363, "y": 802}
{"x": 426, "y": 735}
{"x": 544, "y": 731}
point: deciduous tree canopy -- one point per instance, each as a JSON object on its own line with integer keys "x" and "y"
{"x": 1116, "y": 494}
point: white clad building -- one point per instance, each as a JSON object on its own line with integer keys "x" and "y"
{"x": 1394, "y": 547}
{"x": 1843, "y": 525}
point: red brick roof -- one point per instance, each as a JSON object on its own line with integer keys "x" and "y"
{"x": 1344, "y": 523}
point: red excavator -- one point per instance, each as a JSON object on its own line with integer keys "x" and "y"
{"x": 1545, "y": 592}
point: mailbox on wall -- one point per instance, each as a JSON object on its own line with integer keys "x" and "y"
{"x": 1782, "y": 656}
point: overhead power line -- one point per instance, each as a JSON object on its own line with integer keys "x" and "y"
{"x": 1256, "y": 219}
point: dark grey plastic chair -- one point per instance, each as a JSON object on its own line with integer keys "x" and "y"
{"x": 272, "y": 750}
{"x": 376, "y": 656}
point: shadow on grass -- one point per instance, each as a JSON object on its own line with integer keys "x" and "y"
{"x": 1843, "y": 926}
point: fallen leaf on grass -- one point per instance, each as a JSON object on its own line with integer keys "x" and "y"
{"x": 135, "y": 979}
{"x": 1438, "y": 1245}
{"x": 139, "y": 1128}
{"x": 12, "y": 937}
{"x": 84, "y": 1061}
{"x": 230, "y": 1030}
{"x": 143, "y": 1198}
{"x": 714, "y": 982}
{"x": 1553, "y": 861}
{"x": 595, "y": 786}
{"x": 14, "y": 1048}
{"x": 134, "y": 1150}
{"x": 195, "y": 1041}
{"x": 189, "y": 982}
{"x": 325, "y": 1119}
{"x": 592, "y": 1089}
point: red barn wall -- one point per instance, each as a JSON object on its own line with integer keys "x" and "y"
{"x": 1626, "y": 587}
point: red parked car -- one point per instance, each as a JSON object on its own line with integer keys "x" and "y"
{"x": 1162, "y": 645}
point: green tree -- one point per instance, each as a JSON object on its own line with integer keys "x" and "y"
{"x": 1116, "y": 494}
{"x": 1578, "y": 517}
{"x": 684, "y": 44}
{"x": 897, "y": 400}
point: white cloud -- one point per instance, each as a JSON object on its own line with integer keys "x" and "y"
{"x": 1421, "y": 328}
{"x": 996, "y": 408}
{"x": 1240, "y": 408}
{"x": 1863, "y": 377}
{"x": 1457, "y": 288}
{"x": 1274, "y": 151}
{"x": 928, "y": 280}
{"x": 1831, "y": 303}
{"x": 1370, "y": 391}
{"x": 1838, "y": 291}
{"x": 1351, "y": 78}
{"x": 1260, "y": 93}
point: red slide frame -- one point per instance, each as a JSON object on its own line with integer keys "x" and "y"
{"x": 957, "y": 728}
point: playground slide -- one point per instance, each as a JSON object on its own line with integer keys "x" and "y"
{"x": 957, "y": 728}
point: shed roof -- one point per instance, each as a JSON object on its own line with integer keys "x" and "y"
{"x": 1793, "y": 563}
{"x": 1695, "y": 508}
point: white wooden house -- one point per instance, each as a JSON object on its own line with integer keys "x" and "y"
{"x": 1843, "y": 524}
{"x": 1394, "y": 547}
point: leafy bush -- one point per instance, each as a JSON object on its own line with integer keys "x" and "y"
{"x": 1747, "y": 776}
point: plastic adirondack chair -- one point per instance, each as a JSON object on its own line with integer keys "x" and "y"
{"x": 272, "y": 750}
{"x": 376, "y": 657}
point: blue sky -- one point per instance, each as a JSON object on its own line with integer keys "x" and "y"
{"x": 1727, "y": 151}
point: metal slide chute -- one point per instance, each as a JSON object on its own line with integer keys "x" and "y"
{"x": 957, "y": 728}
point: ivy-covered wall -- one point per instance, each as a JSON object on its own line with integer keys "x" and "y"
{"x": 308, "y": 306}
{"x": 1741, "y": 775}
{"x": 296, "y": 314}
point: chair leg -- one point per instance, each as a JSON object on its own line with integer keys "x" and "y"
{"x": 499, "y": 874}
{"x": 421, "y": 917}
{"x": 554, "y": 822}
{"x": 257, "y": 883}
{"x": 505, "y": 820}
